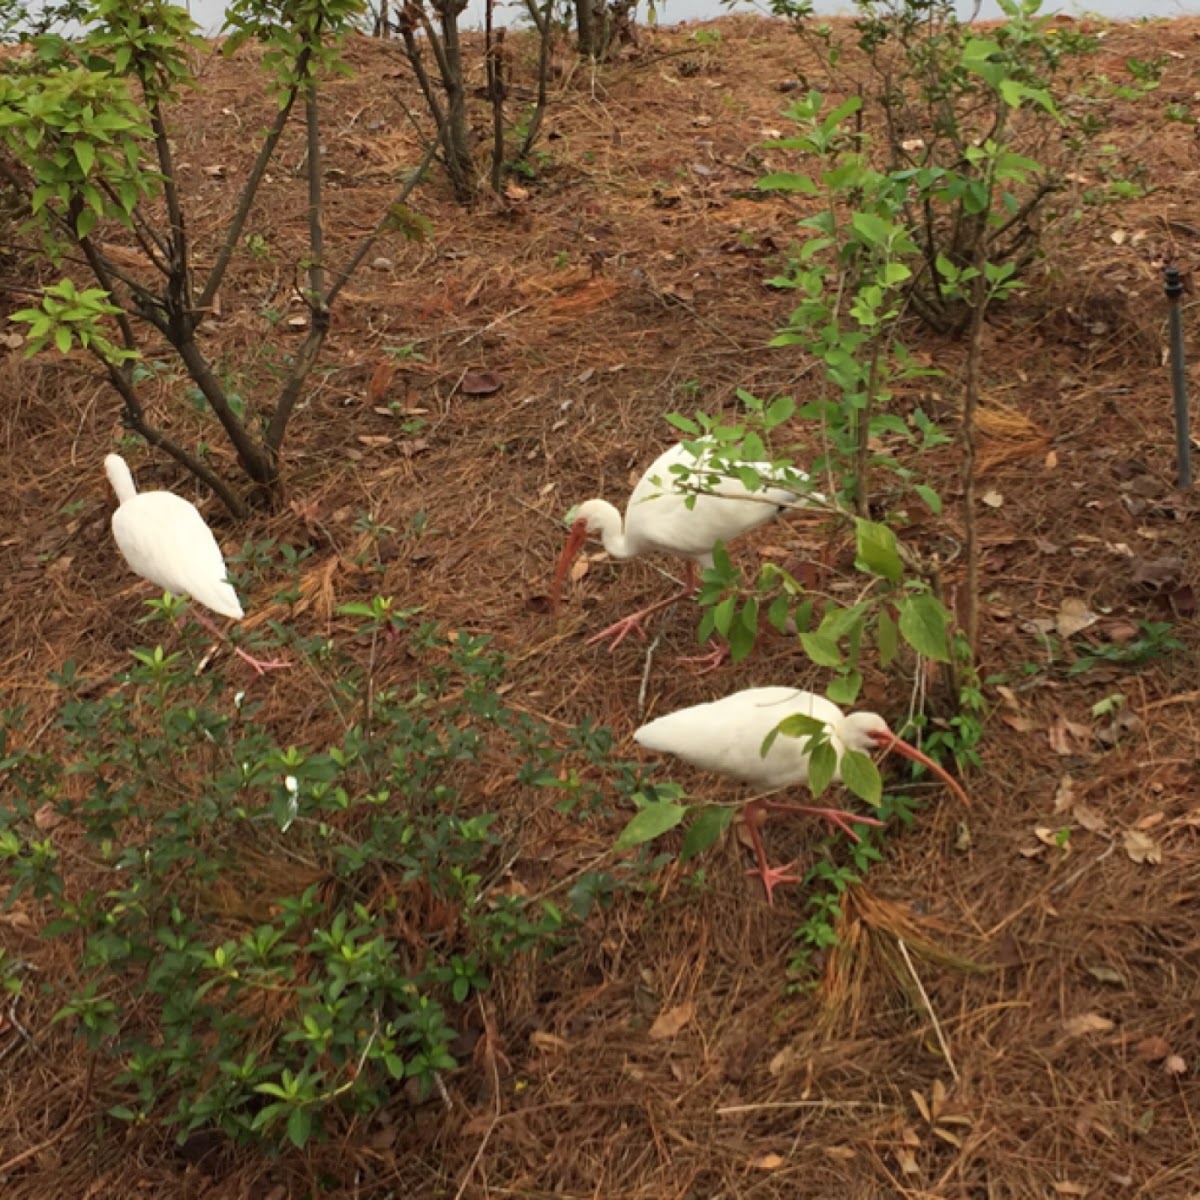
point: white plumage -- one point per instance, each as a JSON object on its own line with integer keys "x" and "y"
{"x": 164, "y": 539}
{"x": 658, "y": 518}
{"x": 726, "y": 736}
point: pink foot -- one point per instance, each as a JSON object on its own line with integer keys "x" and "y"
{"x": 620, "y": 630}
{"x": 261, "y": 665}
{"x": 772, "y": 877}
{"x": 710, "y": 661}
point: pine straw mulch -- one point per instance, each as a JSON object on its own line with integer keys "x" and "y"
{"x": 624, "y": 284}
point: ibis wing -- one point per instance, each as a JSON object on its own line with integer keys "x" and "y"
{"x": 660, "y": 515}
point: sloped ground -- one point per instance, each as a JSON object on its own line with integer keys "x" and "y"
{"x": 625, "y": 283}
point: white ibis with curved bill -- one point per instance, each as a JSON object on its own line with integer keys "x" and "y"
{"x": 164, "y": 539}
{"x": 726, "y": 736}
{"x": 658, "y": 519}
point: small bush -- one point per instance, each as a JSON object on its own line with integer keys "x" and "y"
{"x": 270, "y": 936}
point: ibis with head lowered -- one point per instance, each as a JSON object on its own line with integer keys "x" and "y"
{"x": 726, "y": 736}
{"x": 667, "y": 514}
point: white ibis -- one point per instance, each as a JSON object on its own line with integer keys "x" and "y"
{"x": 164, "y": 539}
{"x": 726, "y": 736}
{"x": 658, "y": 519}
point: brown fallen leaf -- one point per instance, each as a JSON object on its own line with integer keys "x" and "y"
{"x": 1064, "y": 795}
{"x": 1141, "y": 847}
{"x": 1152, "y": 1049}
{"x": 1017, "y": 723}
{"x": 787, "y": 1058}
{"x": 1064, "y": 1187}
{"x": 381, "y": 380}
{"x": 480, "y": 383}
{"x": 669, "y": 1023}
{"x": 768, "y": 1162}
{"x": 1087, "y": 1023}
{"x": 1158, "y": 574}
{"x": 907, "y": 1161}
{"x": 1123, "y": 722}
{"x": 47, "y": 817}
{"x": 1089, "y": 818}
{"x": 579, "y": 568}
{"x": 1073, "y": 617}
{"x": 549, "y": 1043}
{"x": 1069, "y": 737}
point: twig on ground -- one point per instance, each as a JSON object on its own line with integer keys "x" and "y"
{"x": 937, "y": 1028}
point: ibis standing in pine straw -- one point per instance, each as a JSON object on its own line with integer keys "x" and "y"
{"x": 727, "y": 736}
{"x": 658, "y": 518}
{"x": 164, "y": 539}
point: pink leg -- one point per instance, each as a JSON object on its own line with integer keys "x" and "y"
{"x": 771, "y": 876}
{"x": 633, "y": 623}
{"x": 260, "y": 666}
{"x": 836, "y": 817}
{"x": 710, "y": 661}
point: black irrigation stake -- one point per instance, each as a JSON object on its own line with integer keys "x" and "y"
{"x": 1173, "y": 285}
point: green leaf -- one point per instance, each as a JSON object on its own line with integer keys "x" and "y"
{"x": 821, "y": 649}
{"x": 741, "y": 642}
{"x": 683, "y": 424}
{"x": 822, "y": 766}
{"x": 801, "y": 725}
{"x": 787, "y": 181}
{"x": 653, "y": 821}
{"x": 796, "y": 726}
{"x": 723, "y": 615}
{"x": 779, "y": 410}
{"x": 877, "y": 552}
{"x": 85, "y": 223}
{"x": 777, "y": 614}
{"x": 704, "y": 830}
{"x": 887, "y": 636}
{"x": 750, "y": 614}
{"x": 845, "y": 688}
{"x": 85, "y": 155}
{"x": 924, "y": 625}
{"x": 299, "y": 1127}
{"x": 861, "y": 776}
{"x": 873, "y": 230}
{"x": 932, "y": 500}
{"x": 62, "y": 339}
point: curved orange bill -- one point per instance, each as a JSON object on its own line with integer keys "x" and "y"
{"x": 570, "y": 551}
{"x": 889, "y": 741}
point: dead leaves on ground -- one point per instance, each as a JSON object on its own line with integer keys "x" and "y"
{"x": 943, "y": 1119}
{"x": 669, "y": 1022}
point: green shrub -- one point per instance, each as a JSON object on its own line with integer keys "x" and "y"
{"x": 269, "y": 936}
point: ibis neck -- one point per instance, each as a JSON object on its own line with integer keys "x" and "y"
{"x": 612, "y": 532}
{"x": 120, "y": 477}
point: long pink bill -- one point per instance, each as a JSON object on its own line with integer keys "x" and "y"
{"x": 570, "y": 551}
{"x": 889, "y": 741}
